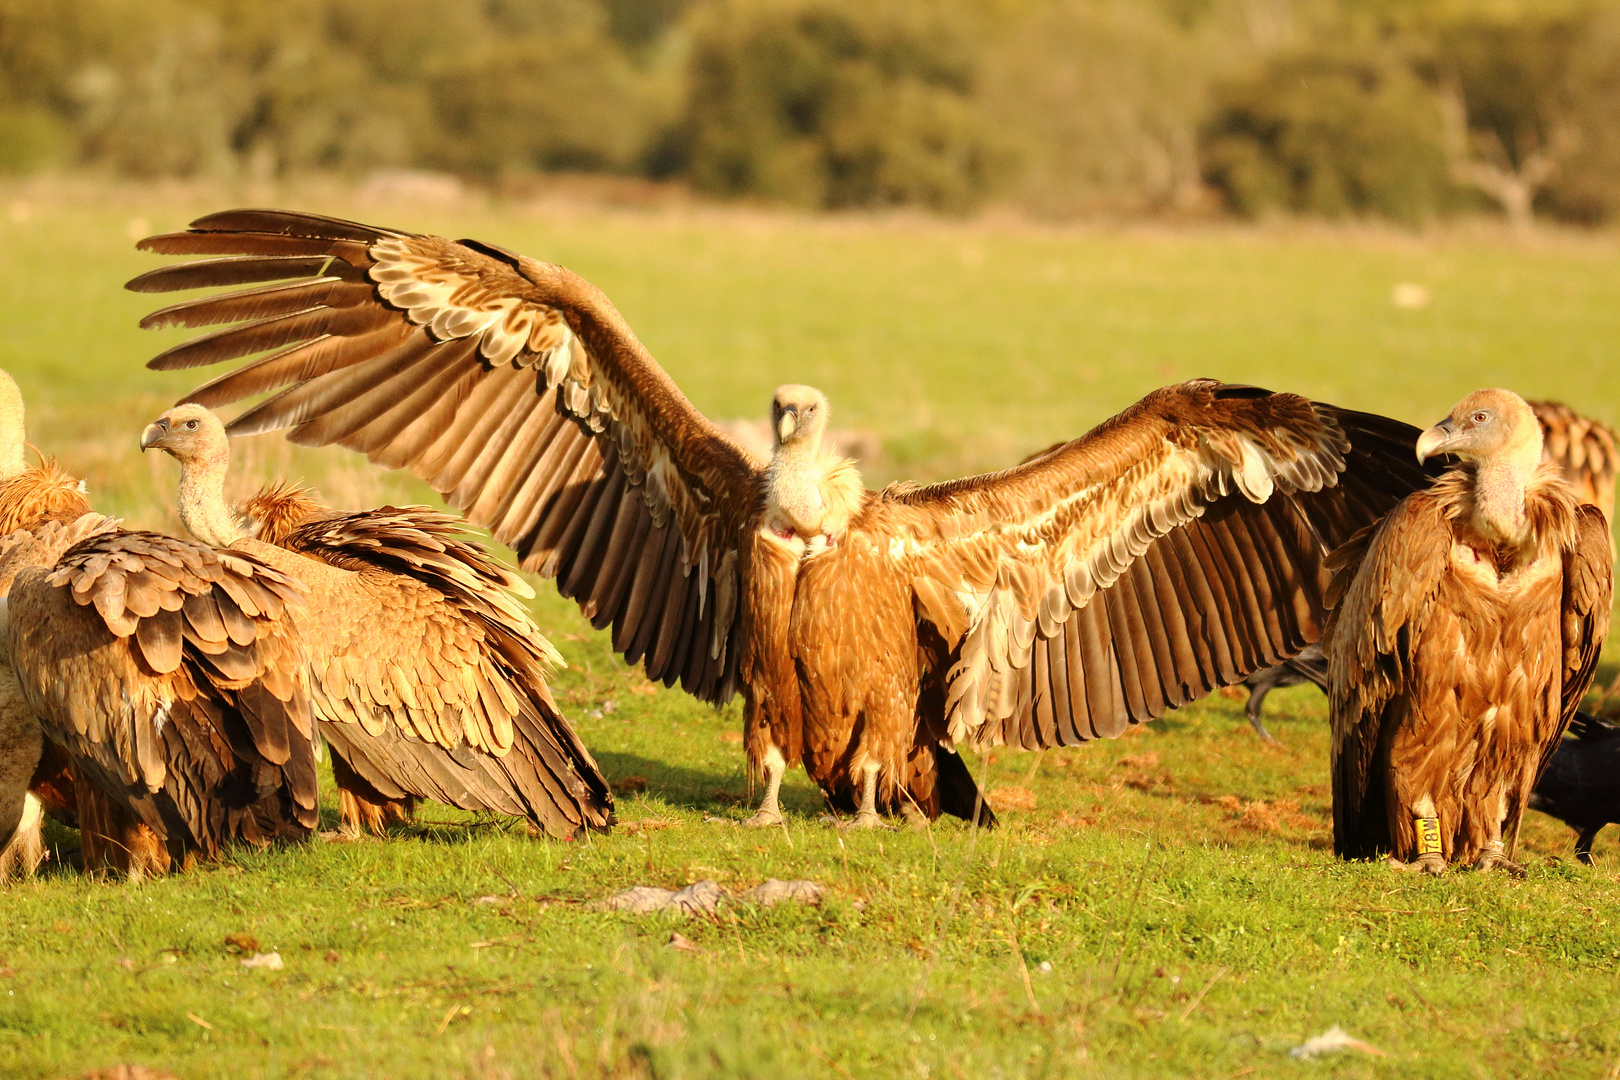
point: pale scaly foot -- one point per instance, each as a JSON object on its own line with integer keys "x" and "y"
{"x": 769, "y": 814}
{"x": 1431, "y": 864}
{"x": 766, "y": 817}
{"x": 866, "y": 819}
{"x": 1492, "y": 858}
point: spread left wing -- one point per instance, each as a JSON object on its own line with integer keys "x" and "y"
{"x": 1176, "y": 548}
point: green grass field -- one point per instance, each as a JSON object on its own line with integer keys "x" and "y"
{"x": 1163, "y": 905}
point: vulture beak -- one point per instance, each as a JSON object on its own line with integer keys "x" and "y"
{"x": 1436, "y": 440}
{"x": 155, "y": 433}
{"x": 788, "y": 423}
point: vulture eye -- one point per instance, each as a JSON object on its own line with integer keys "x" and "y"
{"x": 191, "y": 425}
{"x": 1480, "y": 417}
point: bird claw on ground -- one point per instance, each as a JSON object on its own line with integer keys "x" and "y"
{"x": 1430, "y": 864}
{"x": 865, "y": 821}
{"x": 764, "y": 819}
{"x": 1495, "y": 860}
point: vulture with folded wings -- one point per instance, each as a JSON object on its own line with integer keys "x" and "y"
{"x": 171, "y": 675}
{"x": 1465, "y": 629}
{"x": 1176, "y": 548}
{"x": 426, "y": 673}
{"x": 1582, "y": 448}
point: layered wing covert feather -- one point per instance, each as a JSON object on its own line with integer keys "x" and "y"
{"x": 1176, "y": 548}
{"x": 421, "y": 644}
{"x": 172, "y": 672}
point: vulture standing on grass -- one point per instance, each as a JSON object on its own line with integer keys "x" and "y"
{"x": 33, "y": 775}
{"x": 172, "y": 676}
{"x": 1583, "y": 449}
{"x": 427, "y": 674}
{"x": 1176, "y": 548}
{"x": 1465, "y": 629}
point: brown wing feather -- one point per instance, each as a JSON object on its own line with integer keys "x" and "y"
{"x": 1584, "y": 451}
{"x": 204, "y": 739}
{"x": 1588, "y": 596}
{"x": 1175, "y": 549}
{"x": 510, "y": 386}
{"x": 423, "y": 642}
{"x": 1384, "y": 582}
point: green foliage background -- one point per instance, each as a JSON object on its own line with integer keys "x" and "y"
{"x": 1057, "y": 107}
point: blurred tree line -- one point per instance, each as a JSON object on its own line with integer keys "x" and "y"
{"x": 1404, "y": 109}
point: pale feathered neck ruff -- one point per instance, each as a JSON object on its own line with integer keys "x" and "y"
{"x": 275, "y": 510}
{"x": 1550, "y": 508}
{"x": 38, "y": 494}
{"x": 813, "y": 492}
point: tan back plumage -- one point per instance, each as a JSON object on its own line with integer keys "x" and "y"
{"x": 421, "y": 642}
{"x": 42, "y": 493}
{"x": 168, "y": 669}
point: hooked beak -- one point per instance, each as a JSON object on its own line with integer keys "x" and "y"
{"x": 154, "y": 434}
{"x": 1436, "y": 440}
{"x": 788, "y": 423}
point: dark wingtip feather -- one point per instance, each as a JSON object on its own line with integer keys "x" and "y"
{"x": 289, "y": 223}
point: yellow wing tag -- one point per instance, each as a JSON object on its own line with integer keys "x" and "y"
{"x": 1428, "y": 830}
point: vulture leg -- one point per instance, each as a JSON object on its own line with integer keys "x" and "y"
{"x": 867, "y": 816}
{"x": 769, "y": 812}
{"x": 1494, "y": 855}
{"x": 1583, "y": 843}
{"x": 23, "y": 853}
{"x": 21, "y": 742}
{"x": 1259, "y": 685}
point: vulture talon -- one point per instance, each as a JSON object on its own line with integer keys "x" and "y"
{"x": 866, "y": 819}
{"x": 765, "y": 818}
{"x": 1430, "y": 864}
{"x": 1492, "y": 858}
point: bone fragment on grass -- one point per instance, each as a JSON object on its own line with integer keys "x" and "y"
{"x": 1330, "y": 1041}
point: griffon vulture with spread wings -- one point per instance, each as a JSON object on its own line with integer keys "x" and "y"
{"x": 1176, "y": 548}
{"x": 1465, "y": 629}
{"x": 426, "y": 672}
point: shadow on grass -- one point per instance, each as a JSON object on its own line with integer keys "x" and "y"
{"x": 697, "y": 788}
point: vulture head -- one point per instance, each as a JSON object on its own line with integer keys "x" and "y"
{"x": 1488, "y": 427}
{"x": 189, "y": 433}
{"x": 798, "y": 416}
